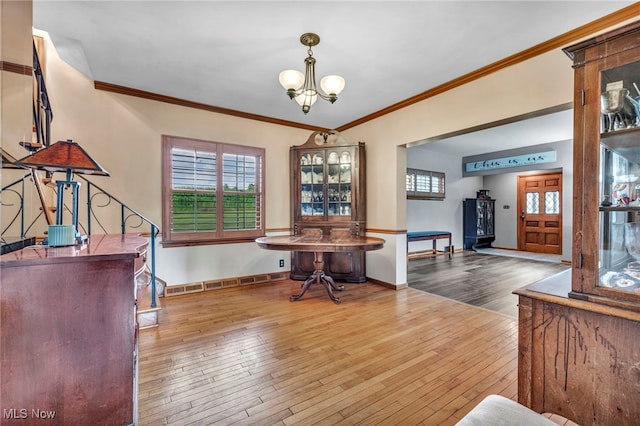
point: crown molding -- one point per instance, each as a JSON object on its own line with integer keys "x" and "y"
{"x": 108, "y": 87}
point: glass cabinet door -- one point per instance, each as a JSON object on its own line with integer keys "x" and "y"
{"x": 481, "y": 220}
{"x": 325, "y": 183}
{"x": 489, "y": 217}
{"x": 312, "y": 180}
{"x": 619, "y": 179}
{"x": 339, "y": 183}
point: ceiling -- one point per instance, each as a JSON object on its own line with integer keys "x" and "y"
{"x": 229, "y": 53}
{"x": 545, "y": 128}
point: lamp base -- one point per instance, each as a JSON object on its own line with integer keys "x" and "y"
{"x": 61, "y": 235}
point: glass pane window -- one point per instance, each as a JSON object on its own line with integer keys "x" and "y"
{"x": 212, "y": 191}
{"x": 533, "y": 203}
{"x": 193, "y": 212}
{"x": 552, "y": 202}
{"x": 411, "y": 182}
{"x": 193, "y": 170}
{"x": 424, "y": 184}
{"x": 193, "y": 184}
{"x": 240, "y": 180}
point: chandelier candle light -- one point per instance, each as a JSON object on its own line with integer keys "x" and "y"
{"x": 302, "y": 87}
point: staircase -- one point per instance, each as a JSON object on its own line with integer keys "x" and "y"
{"x": 35, "y": 190}
{"x": 148, "y": 315}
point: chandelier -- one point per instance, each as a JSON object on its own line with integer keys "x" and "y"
{"x": 302, "y": 87}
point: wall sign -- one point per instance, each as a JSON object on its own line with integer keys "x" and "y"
{"x": 513, "y": 161}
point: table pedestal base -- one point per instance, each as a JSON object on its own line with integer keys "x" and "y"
{"x": 319, "y": 277}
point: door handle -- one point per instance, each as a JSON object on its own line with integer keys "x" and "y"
{"x": 522, "y": 215}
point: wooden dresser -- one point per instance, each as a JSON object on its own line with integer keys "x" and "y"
{"x": 69, "y": 334}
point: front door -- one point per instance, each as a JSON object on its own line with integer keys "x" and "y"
{"x": 539, "y": 207}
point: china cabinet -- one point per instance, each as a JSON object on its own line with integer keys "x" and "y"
{"x": 328, "y": 198}
{"x": 479, "y": 222}
{"x": 578, "y": 346}
{"x": 607, "y": 139}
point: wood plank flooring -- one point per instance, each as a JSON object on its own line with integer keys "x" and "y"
{"x": 479, "y": 279}
{"x": 248, "y": 356}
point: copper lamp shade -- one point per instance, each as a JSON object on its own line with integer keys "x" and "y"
{"x": 63, "y": 156}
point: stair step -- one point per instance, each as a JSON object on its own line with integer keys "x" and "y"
{"x": 31, "y": 146}
{"x": 147, "y": 316}
{"x": 148, "y": 319}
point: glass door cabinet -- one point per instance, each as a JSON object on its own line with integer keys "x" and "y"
{"x": 606, "y": 221}
{"x": 325, "y": 179}
{"x": 328, "y": 198}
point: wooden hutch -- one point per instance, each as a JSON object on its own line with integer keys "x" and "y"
{"x": 579, "y": 331}
{"x": 328, "y": 198}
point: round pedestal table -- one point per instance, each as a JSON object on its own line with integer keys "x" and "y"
{"x": 319, "y": 246}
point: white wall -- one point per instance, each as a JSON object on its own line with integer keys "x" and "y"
{"x": 504, "y": 189}
{"x": 446, "y": 215}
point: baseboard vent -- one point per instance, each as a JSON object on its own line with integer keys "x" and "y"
{"x": 247, "y": 280}
{"x": 277, "y": 276}
{"x": 212, "y": 285}
{"x": 230, "y": 283}
{"x": 175, "y": 290}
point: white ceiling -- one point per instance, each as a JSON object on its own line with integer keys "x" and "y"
{"x": 552, "y": 127}
{"x": 229, "y": 53}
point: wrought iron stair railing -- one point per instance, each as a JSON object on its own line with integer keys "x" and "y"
{"x": 12, "y": 200}
{"x": 130, "y": 219}
{"x": 42, "y": 112}
{"x": 105, "y": 214}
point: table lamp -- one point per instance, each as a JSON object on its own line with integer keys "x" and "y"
{"x": 69, "y": 157}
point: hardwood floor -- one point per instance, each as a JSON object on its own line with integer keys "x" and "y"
{"x": 248, "y": 356}
{"x": 479, "y": 279}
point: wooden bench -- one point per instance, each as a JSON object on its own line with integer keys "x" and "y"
{"x": 430, "y": 236}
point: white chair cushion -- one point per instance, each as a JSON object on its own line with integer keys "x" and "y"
{"x": 496, "y": 410}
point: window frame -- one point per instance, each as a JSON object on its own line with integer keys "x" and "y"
{"x": 414, "y": 194}
{"x": 219, "y": 235}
